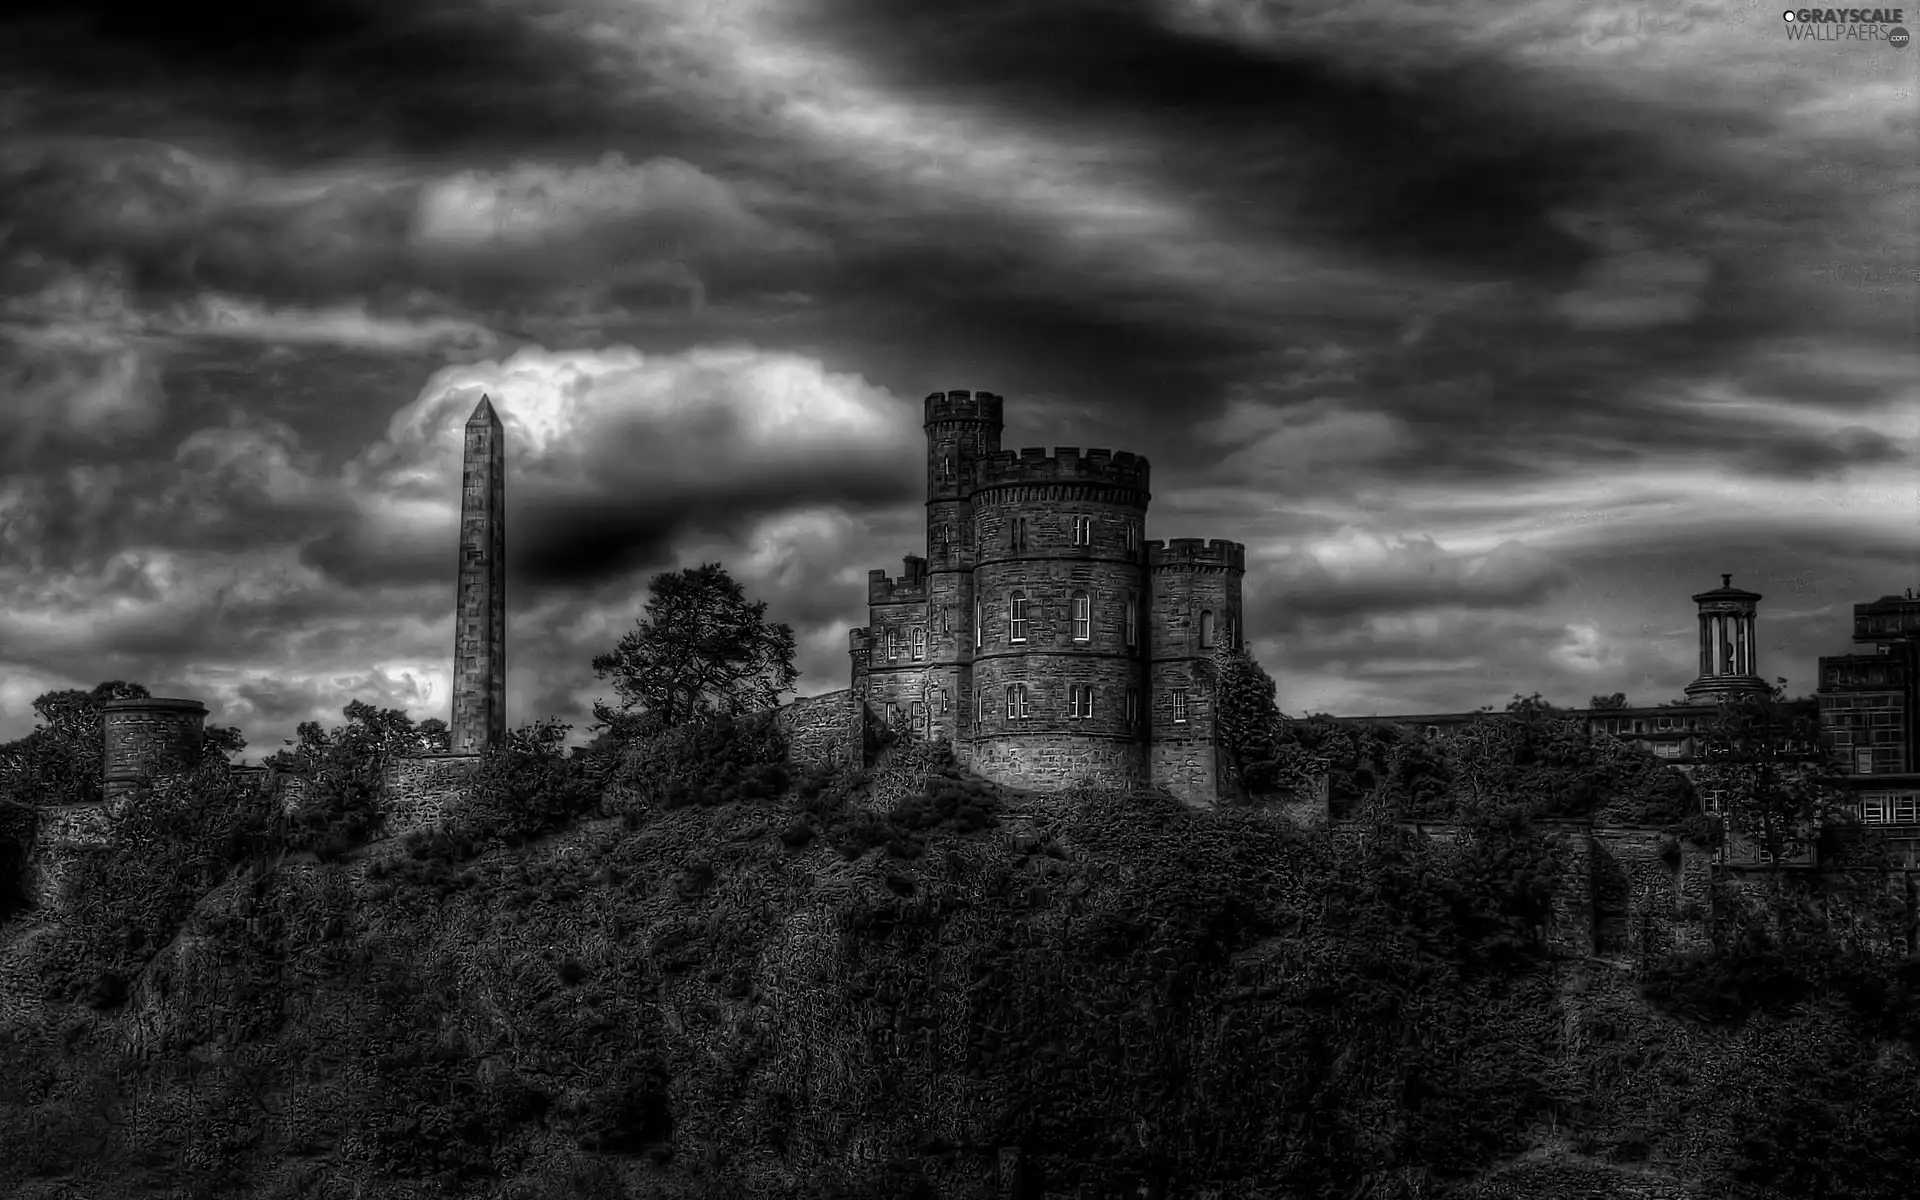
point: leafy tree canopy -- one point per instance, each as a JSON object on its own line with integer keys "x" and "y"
{"x": 700, "y": 647}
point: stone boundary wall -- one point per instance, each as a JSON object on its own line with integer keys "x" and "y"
{"x": 1627, "y": 894}
{"x": 824, "y": 730}
{"x": 423, "y": 790}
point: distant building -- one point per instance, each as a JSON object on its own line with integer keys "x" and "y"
{"x": 1867, "y": 707}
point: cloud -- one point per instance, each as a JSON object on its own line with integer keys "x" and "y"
{"x": 66, "y": 388}
{"x": 1357, "y": 572}
{"x": 614, "y": 454}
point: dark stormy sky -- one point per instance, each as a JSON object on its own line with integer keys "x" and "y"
{"x": 1494, "y": 329}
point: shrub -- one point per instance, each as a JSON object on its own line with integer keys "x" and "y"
{"x": 712, "y": 761}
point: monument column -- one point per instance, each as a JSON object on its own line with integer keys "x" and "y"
{"x": 480, "y": 602}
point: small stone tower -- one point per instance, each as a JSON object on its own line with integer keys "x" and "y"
{"x": 1194, "y": 589}
{"x": 480, "y": 616}
{"x": 147, "y": 737}
{"x": 1728, "y": 663}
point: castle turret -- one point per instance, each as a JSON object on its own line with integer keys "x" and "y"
{"x": 1059, "y": 660}
{"x": 1193, "y": 613}
{"x": 1729, "y": 666}
{"x": 962, "y": 428}
{"x": 147, "y": 737}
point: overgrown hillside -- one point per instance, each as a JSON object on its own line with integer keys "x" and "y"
{"x": 676, "y": 971}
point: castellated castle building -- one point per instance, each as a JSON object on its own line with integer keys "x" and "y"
{"x": 1041, "y": 633}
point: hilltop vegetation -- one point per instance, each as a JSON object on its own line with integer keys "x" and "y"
{"x": 671, "y": 965}
{"x": 667, "y": 969}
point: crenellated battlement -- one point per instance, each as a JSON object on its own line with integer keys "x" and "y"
{"x": 963, "y": 405}
{"x": 1176, "y": 553}
{"x": 897, "y": 590}
{"x": 1066, "y": 464}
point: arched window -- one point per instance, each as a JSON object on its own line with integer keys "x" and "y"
{"x": 1206, "y": 629}
{"x": 1083, "y": 531}
{"x": 919, "y": 641}
{"x": 1017, "y": 617}
{"x": 1133, "y": 621}
{"x": 1082, "y": 617}
{"x": 1016, "y": 702}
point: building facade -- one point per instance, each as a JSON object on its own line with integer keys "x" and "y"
{"x": 1041, "y": 634}
{"x": 1867, "y": 707}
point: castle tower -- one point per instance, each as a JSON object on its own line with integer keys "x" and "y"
{"x": 1058, "y": 672}
{"x": 962, "y": 428}
{"x": 480, "y": 616}
{"x": 1194, "y": 609}
{"x": 149, "y": 736}
{"x": 1728, "y": 664}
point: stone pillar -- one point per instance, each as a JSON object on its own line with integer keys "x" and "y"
{"x": 480, "y": 603}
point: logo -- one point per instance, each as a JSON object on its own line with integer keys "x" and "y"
{"x": 1847, "y": 25}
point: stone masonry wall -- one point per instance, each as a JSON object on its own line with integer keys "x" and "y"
{"x": 1636, "y": 894}
{"x": 1049, "y": 762}
{"x": 1570, "y": 927}
{"x": 822, "y": 730}
{"x": 422, "y": 791}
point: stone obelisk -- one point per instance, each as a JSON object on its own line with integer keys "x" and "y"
{"x": 480, "y": 617}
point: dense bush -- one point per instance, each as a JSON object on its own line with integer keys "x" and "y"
{"x": 706, "y": 762}
{"x": 527, "y": 787}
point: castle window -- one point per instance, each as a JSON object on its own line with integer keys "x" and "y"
{"x": 1082, "y": 617}
{"x": 1863, "y": 760}
{"x": 1017, "y": 617}
{"x": 893, "y": 643}
{"x": 1206, "y": 629}
{"x": 1017, "y": 533}
{"x": 893, "y": 713}
{"x": 1133, "y": 621}
{"x": 1083, "y": 531}
{"x": 1080, "y": 700}
{"x": 1133, "y": 707}
{"x": 980, "y": 707}
{"x": 1233, "y": 633}
{"x": 976, "y": 625}
{"x": 1179, "y": 706}
{"x": 919, "y": 642}
{"x": 1016, "y": 702}
{"x": 1133, "y": 538}
{"x": 946, "y": 699}
{"x": 919, "y": 716}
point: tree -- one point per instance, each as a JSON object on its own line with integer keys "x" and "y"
{"x": 345, "y": 767}
{"x": 700, "y": 648}
{"x": 61, "y": 761}
{"x": 1249, "y": 720}
{"x": 1604, "y": 703}
{"x": 1766, "y": 774}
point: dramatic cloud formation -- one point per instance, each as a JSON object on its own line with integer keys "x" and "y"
{"x": 1494, "y": 329}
